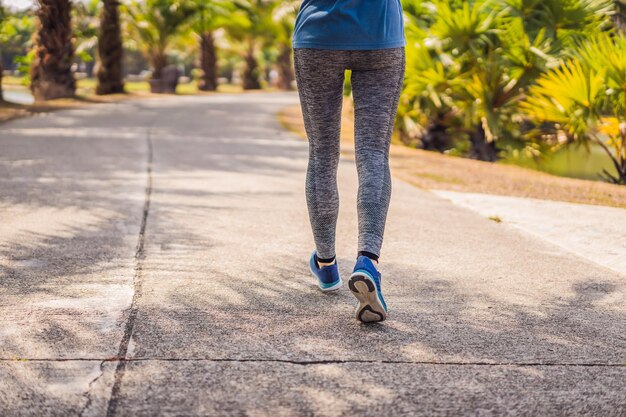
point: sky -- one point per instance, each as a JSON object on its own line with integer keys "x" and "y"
{"x": 21, "y": 4}
{"x": 18, "y": 4}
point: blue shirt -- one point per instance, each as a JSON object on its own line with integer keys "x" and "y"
{"x": 349, "y": 24}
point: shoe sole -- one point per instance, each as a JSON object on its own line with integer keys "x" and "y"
{"x": 370, "y": 308}
{"x": 334, "y": 287}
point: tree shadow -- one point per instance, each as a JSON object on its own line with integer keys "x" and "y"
{"x": 222, "y": 328}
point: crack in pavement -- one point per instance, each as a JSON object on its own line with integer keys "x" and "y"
{"x": 313, "y": 361}
{"x": 87, "y": 394}
{"x": 137, "y": 285}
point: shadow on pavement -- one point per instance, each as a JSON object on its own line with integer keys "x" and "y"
{"x": 229, "y": 320}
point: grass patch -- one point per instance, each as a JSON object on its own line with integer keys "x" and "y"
{"x": 439, "y": 178}
{"x": 87, "y": 86}
{"x": 13, "y": 80}
{"x": 86, "y": 95}
{"x": 572, "y": 161}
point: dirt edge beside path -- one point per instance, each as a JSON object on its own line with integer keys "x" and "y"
{"x": 430, "y": 170}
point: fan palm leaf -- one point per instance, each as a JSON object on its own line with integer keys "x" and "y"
{"x": 568, "y": 96}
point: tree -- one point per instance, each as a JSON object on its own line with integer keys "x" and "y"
{"x": 154, "y": 23}
{"x": 484, "y": 55}
{"x": 51, "y": 72}
{"x": 426, "y": 108}
{"x": 211, "y": 15}
{"x": 110, "y": 50}
{"x": 284, "y": 19}
{"x": 249, "y": 26}
{"x": 454, "y": 74}
{"x": 584, "y": 100}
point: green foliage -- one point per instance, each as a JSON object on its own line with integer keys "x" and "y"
{"x": 210, "y": 15}
{"x": 261, "y": 30}
{"x": 252, "y": 21}
{"x": 468, "y": 28}
{"x": 155, "y": 22}
{"x": 24, "y": 62}
{"x": 471, "y": 65}
{"x": 584, "y": 100}
{"x": 606, "y": 54}
{"x": 16, "y": 29}
{"x": 283, "y": 21}
{"x": 85, "y": 23}
{"x": 569, "y": 96}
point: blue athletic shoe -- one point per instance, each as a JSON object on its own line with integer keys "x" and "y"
{"x": 328, "y": 277}
{"x": 365, "y": 285}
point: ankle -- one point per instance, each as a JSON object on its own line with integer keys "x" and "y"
{"x": 325, "y": 262}
{"x": 372, "y": 256}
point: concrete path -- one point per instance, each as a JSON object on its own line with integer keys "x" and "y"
{"x": 596, "y": 233}
{"x": 153, "y": 262}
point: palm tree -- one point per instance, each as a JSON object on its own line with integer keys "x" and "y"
{"x": 51, "y": 72}
{"x": 426, "y": 110}
{"x": 427, "y": 107}
{"x": 284, "y": 21}
{"x": 208, "y": 62}
{"x": 585, "y": 100}
{"x": 110, "y": 79}
{"x": 250, "y": 26}
{"x": 154, "y": 23}
{"x": 468, "y": 35}
{"x": 485, "y": 55}
{"x": 211, "y": 15}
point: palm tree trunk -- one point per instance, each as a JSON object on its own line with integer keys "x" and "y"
{"x": 620, "y": 168}
{"x": 208, "y": 62}
{"x": 285, "y": 69}
{"x": 110, "y": 50}
{"x": 251, "y": 71}
{"x": 618, "y": 160}
{"x": 481, "y": 149}
{"x": 158, "y": 59}
{"x": 436, "y": 137}
{"x": 51, "y": 72}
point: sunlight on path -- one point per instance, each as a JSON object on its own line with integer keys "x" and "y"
{"x": 596, "y": 233}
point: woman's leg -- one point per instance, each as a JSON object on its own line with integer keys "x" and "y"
{"x": 377, "y": 77}
{"x": 320, "y": 77}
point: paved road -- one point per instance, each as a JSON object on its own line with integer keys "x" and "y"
{"x": 153, "y": 262}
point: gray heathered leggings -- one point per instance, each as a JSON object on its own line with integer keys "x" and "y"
{"x": 377, "y": 77}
